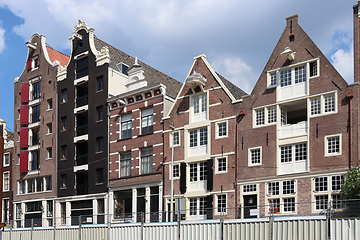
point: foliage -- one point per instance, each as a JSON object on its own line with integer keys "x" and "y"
{"x": 351, "y": 188}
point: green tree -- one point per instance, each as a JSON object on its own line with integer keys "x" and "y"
{"x": 351, "y": 188}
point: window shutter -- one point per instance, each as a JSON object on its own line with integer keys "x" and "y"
{"x": 28, "y": 64}
{"x": 210, "y": 175}
{"x": 183, "y": 178}
{"x": 25, "y": 92}
{"x": 24, "y": 160}
{"x": 209, "y": 207}
{"x": 24, "y": 114}
{"x": 24, "y": 136}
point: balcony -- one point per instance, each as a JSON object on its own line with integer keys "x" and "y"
{"x": 81, "y": 130}
{"x": 81, "y": 159}
{"x": 81, "y": 101}
{"x": 293, "y": 130}
{"x": 35, "y": 117}
{"x": 34, "y": 140}
{"x": 35, "y": 95}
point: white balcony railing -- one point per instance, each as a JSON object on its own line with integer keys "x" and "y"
{"x": 292, "y": 130}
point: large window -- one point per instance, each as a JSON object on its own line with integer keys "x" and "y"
{"x": 323, "y": 104}
{"x": 221, "y": 203}
{"x": 125, "y": 164}
{"x": 197, "y": 206}
{"x": 199, "y": 107}
{"x": 198, "y": 176}
{"x": 147, "y": 121}
{"x": 36, "y": 92}
{"x": 35, "y": 160}
{"x": 6, "y": 181}
{"x": 126, "y": 126}
{"x": 293, "y": 158}
{"x": 146, "y": 160}
{"x": 82, "y": 67}
{"x": 265, "y": 116}
{"x": 35, "y": 115}
{"x": 327, "y": 188}
{"x": 281, "y": 196}
{"x": 198, "y": 141}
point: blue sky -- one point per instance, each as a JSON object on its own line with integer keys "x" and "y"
{"x": 237, "y": 36}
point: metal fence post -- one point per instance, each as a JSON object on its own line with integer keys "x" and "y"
{"x": 54, "y": 223}
{"x": 142, "y": 225}
{"x": 80, "y": 227}
{"x": 11, "y": 225}
{"x": 32, "y": 228}
{"x": 108, "y": 225}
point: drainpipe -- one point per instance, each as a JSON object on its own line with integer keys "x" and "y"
{"x": 1, "y": 170}
{"x": 350, "y": 95}
{"x": 240, "y": 117}
{"x": 108, "y": 169}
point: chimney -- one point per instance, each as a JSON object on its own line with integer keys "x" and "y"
{"x": 291, "y": 21}
{"x": 356, "y": 17}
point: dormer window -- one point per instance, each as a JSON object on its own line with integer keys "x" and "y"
{"x": 123, "y": 68}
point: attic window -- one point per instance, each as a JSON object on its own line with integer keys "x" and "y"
{"x": 123, "y": 68}
{"x": 292, "y": 38}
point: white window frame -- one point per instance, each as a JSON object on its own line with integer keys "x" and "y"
{"x": 281, "y": 196}
{"x": 149, "y": 118}
{"x": 33, "y": 66}
{"x": 122, "y": 120}
{"x": 202, "y": 115}
{"x": 217, "y": 212}
{"x": 250, "y": 164}
{"x": 266, "y": 111}
{"x": 326, "y": 145}
{"x": 217, "y": 165}
{"x": 329, "y": 193}
{"x": 4, "y": 163}
{"x": 8, "y": 181}
{"x": 217, "y": 135}
{"x": 120, "y": 167}
{"x": 171, "y": 172}
{"x": 322, "y": 104}
{"x": 48, "y": 157}
{"x": 249, "y": 188}
{"x": 171, "y": 138}
{"x": 198, "y": 184}
{"x": 199, "y": 149}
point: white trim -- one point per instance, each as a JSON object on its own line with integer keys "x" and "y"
{"x": 217, "y": 129}
{"x": 217, "y": 201}
{"x": 9, "y": 183}
{"x": 326, "y": 146}
{"x": 250, "y": 164}
{"x": 6, "y": 154}
{"x": 217, "y": 165}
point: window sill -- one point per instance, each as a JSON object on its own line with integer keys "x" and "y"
{"x": 48, "y": 110}
{"x": 99, "y": 91}
{"x": 119, "y": 140}
{"x": 99, "y": 152}
{"x": 48, "y": 134}
{"x": 63, "y": 188}
{"x": 145, "y": 134}
{"x": 99, "y": 121}
{"x": 48, "y": 159}
{"x": 97, "y": 184}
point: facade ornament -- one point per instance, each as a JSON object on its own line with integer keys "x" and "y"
{"x": 103, "y": 56}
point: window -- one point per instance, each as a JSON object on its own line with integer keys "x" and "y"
{"x": 271, "y": 114}
{"x": 249, "y": 188}
{"x": 333, "y": 145}
{"x": 321, "y": 202}
{"x": 300, "y": 74}
{"x": 100, "y": 83}
{"x": 6, "y": 180}
{"x": 48, "y": 180}
{"x": 39, "y": 185}
{"x": 35, "y": 160}
{"x": 63, "y": 212}
{"x": 285, "y": 77}
{"x": 199, "y": 107}
{"x": 315, "y": 106}
{"x": 6, "y": 211}
{"x": 273, "y": 79}
{"x": 198, "y": 141}
{"x": 222, "y": 129}
{"x": 99, "y": 175}
{"x": 49, "y": 152}
{"x": 99, "y": 144}
{"x": 260, "y": 117}
{"x": 126, "y": 126}
{"x": 197, "y": 206}
{"x": 82, "y": 67}
{"x": 64, "y": 95}
{"x": 146, "y": 160}
{"x": 31, "y": 185}
{"x": 324, "y": 104}
{"x": 176, "y": 171}
{"x": 327, "y": 188}
{"x": 63, "y": 181}
{"x": 281, "y": 196}
{"x": 18, "y": 211}
{"x": 36, "y": 92}
{"x": 49, "y": 128}
{"x": 221, "y": 203}
{"x": 147, "y": 121}
{"x": 336, "y": 182}
{"x": 221, "y": 165}
{"x": 313, "y": 69}
{"x": 50, "y": 104}
{"x": 255, "y": 157}
{"x": 297, "y": 152}
{"x": 321, "y": 184}
{"x": 63, "y": 123}
{"x": 63, "y": 151}
{"x": 176, "y": 138}
{"x": 49, "y": 208}
{"x": 329, "y": 103}
{"x": 99, "y": 113}
{"x": 198, "y": 175}
{"x": 125, "y": 164}
{"x": 6, "y": 159}
{"x": 123, "y": 68}
{"x": 35, "y": 115}
{"x": 22, "y": 189}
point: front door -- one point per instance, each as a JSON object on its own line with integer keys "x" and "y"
{"x": 250, "y": 203}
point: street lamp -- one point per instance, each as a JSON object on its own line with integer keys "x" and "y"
{"x": 172, "y": 174}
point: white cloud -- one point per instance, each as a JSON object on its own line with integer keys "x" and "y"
{"x": 236, "y": 71}
{"x": 2, "y": 39}
{"x": 343, "y": 62}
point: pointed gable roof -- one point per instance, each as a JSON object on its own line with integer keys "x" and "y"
{"x": 56, "y": 55}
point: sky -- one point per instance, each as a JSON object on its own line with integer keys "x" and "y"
{"x": 237, "y": 36}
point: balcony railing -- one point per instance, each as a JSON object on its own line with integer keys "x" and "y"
{"x": 81, "y": 101}
{"x": 291, "y": 130}
{"x": 81, "y": 159}
{"x": 35, "y": 117}
{"x": 82, "y": 130}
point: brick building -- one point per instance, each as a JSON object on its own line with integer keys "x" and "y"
{"x": 34, "y": 168}
{"x": 136, "y": 142}
{"x": 201, "y": 131}
{"x": 298, "y": 131}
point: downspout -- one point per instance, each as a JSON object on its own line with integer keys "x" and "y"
{"x": 108, "y": 168}
{"x": 350, "y": 95}
{"x": 240, "y": 117}
{"x": 1, "y": 170}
